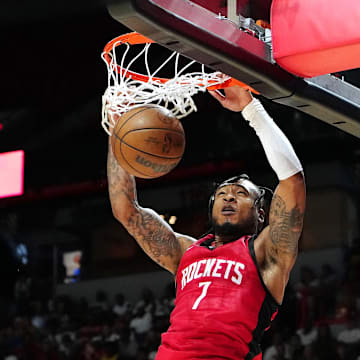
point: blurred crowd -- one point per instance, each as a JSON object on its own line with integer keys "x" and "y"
{"x": 62, "y": 328}
{"x": 319, "y": 319}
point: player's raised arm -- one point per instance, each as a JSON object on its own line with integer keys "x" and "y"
{"x": 151, "y": 232}
{"x": 288, "y": 203}
{"x": 277, "y": 245}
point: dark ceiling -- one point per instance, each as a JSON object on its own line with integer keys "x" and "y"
{"x": 51, "y": 86}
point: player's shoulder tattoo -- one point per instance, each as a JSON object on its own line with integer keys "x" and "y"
{"x": 285, "y": 225}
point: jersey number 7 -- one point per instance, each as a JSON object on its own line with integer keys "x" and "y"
{"x": 205, "y": 285}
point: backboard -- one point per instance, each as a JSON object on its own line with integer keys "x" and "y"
{"x": 224, "y": 35}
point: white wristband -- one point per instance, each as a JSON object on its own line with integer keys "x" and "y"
{"x": 278, "y": 150}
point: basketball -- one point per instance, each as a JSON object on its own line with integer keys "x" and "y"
{"x": 148, "y": 141}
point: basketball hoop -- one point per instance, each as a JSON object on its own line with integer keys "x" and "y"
{"x": 128, "y": 89}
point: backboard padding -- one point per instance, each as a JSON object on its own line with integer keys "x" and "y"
{"x": 199, "y": 34}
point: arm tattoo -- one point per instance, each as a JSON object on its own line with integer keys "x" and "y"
{"x": 156, "y": 239}
{"x": 120, "y": 182}
{"x": 285, "y": 225}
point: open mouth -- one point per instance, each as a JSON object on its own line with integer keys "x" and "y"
{"x": 228, "y": 210}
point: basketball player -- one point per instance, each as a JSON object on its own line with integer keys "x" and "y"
{"x": 231, "y": 282}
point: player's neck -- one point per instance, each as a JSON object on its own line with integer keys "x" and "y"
{"x": 220, "y": 240}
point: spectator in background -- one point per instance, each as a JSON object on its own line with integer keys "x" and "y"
{"x": 156, "y": 308}
{"x": 66, "y": 346}
{"x": 106, "y": 335}
{"x": 141, "y": 324}
{"x": 349, "y": 338}
{"x": 121, "y": 307}
{"x": 351, "y": 334}
{"x": 309, "y": 332}
{"x": 147, "y": 301}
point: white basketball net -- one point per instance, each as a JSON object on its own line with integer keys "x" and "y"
{"x": 124, "y": 93}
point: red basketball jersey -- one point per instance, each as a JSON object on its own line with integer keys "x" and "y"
{"x": 222, "y": 307}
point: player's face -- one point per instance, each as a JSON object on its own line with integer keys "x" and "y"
{"x": 234, "y": 210}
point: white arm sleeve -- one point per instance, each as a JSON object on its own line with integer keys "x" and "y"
{"x": 278, "y": 150}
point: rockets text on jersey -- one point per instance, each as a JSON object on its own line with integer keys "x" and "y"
{"x": 216, "y": 268}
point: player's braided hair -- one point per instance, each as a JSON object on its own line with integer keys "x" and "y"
{"x": 262, "y": 201}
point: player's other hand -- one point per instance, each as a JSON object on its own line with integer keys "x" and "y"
{"x": 235, "y": 98}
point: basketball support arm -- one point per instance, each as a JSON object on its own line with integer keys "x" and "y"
{"x": 198, "y": 34}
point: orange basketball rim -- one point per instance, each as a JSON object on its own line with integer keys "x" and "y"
{"x": 135, "y": 38}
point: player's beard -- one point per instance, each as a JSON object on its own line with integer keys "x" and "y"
{"x": 229, "y": 229}
{"x": 226, "y": 229}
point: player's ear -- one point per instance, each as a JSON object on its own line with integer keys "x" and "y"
{"x": 261, "y": 215}
{"x": 261, "y": 219}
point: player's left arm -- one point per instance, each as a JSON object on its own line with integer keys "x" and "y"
{"x": 276, "y": 246}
